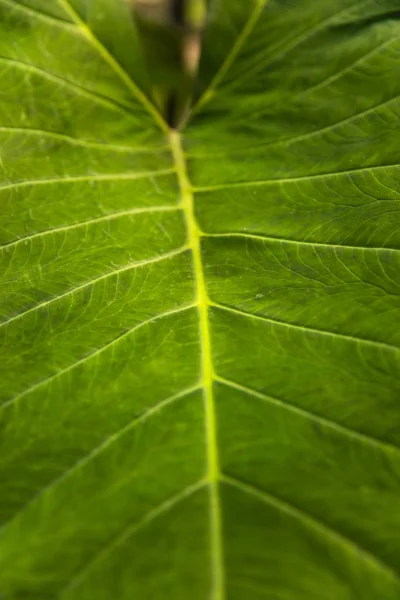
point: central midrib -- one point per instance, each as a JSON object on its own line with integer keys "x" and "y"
{"x": 194, "y": 240}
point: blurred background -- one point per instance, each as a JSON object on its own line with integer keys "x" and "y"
{"x": 171, "y": 32}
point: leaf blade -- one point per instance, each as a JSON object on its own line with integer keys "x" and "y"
{"x": 286, "y": 481}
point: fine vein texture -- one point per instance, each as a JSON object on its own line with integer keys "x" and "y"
{"x": 200, "y": 330}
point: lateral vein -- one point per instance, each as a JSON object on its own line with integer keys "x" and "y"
{"x": 306, "y": 328}
{"x": 311, "y": 522}
{"x": 82, "y": 178}
{"x": 85, "y": 143}
{"x": 226, "y": 65}
{"x": 71, "y": 86}
{"x": 381, "y": 444}
{"x": 97, "y": 351}
{"x": 293, "y": 43}
{"x": 90, "y": 282}
{"x": 260, "y": 182}
{"x": 270, "y": 238}
{"x": 103, "y": 219}
{"x": 39, "y": 15}
{"x": 99, "y": 449}
{"x": 129, "y": 531}
{"x": 114, "y": 64}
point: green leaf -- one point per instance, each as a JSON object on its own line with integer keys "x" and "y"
{"x": 200, "y": 366}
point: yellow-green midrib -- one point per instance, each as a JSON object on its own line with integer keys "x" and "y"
{"x": 194, "y": 242}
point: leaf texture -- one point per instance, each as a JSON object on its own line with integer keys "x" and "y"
{"x": 200, "y": 342}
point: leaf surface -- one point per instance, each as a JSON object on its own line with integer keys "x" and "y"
{"x": 200, "y": 342}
